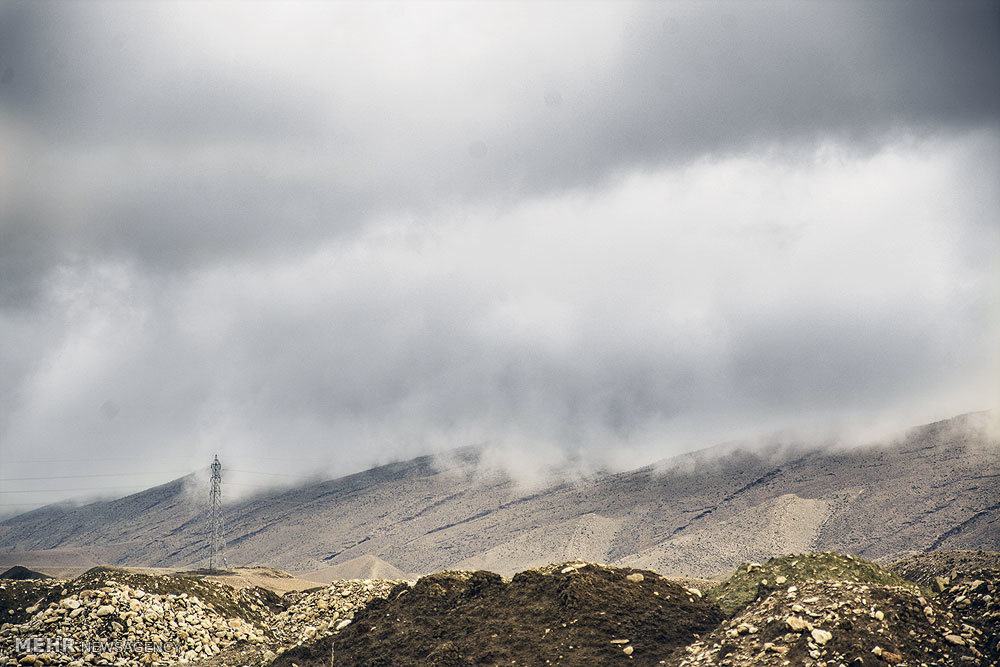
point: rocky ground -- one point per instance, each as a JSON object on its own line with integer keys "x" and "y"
{"x": 974, "y": 601}
{"x": 923, "y": 568}
{"x": 166, "y": 619}
{"x": 832, "y": 623}
{"x": 176, "y": 617}
{"x": 813, "y": 610}
{"x": 754, "y": 581}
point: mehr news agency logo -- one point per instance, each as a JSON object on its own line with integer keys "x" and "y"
{"x": 68, "y": 645}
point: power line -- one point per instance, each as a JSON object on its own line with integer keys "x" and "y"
{"x": 167, "y": 458}
{"x": 91, "y": 458}
{"x": 103, "y": 474}
{"x": 270, "y": 474}
{"x": 85, "y": 488}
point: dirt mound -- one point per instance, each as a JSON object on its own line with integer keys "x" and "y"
{"x": 318, "y": 613}
{"x": 253, "y": 605}
{"x": 830, "y": 623}
{"x": 20, "y": 572}
{"x": 753, "y": 581}
{"x": 17, "y": 596}
{"x": 184, "y": 616}
{"x": 572, "y": 614}
{"x": 924, "y": 568}
{"x": 974, "y": 601}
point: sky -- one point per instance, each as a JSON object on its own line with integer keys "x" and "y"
{"x": 312, "y": 237}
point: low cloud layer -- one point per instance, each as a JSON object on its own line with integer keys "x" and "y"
{"x": 347, "y": 233}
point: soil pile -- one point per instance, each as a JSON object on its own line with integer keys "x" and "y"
{"x": 835, "y": 623}
{"x": 20, "y": 572}
{"x": 967, "y": 584}
{"x": 568, "y": 614}
{"x": 185, "y": 618}
{"x": 318, "y": 613}
{"x": 924, "y": 568}
{"x": 754, "y": 581}
{"x": 17, "y": 596}
{"x": 973, "y": 601}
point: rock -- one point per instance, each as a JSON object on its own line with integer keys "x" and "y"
{"x": 821, "y": 636}
{"x": 635, "y": 577}
{"x": 29, "y": 659}
{"x": 941, "y": 584}
{"x": 779, "y": 580}
{"x": 954, "y": 639}
{"x": 105, "y": 610}
{"x": 628, "y": 650}
{"x": 798, "y": 624}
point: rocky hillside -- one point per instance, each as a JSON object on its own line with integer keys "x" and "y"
{"x": 123, "y": 617}
{"x": 698, "y": 515}
{"x": 828, "y": 610}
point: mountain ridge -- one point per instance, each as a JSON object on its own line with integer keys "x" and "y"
{"x": 693, "y": 515}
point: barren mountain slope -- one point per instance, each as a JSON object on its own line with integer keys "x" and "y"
{"x": 362, "y": 567}
{"x": 692, "y": 515}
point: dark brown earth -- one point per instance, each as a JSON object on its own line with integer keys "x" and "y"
{"x": 923, "y": 568}
{"x": 19, "y": 595}
{"x": 973, "y": 599}
{"x": 22, "y": 573}
{"x": 967, "y": 584}
{"x": 580, "y": 614}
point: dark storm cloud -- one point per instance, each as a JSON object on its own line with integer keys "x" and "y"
{"x": 686, "y": 79}
{"x": 110, "y": 111}
{"x": 95, "y": 73}
{"x": 721, "y": 78}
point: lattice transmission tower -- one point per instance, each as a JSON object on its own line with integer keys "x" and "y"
{"x": 218, "y": 543}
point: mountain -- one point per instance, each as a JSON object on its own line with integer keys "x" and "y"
{"x": 938, "y": 487}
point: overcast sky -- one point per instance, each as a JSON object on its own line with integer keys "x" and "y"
{"x": 346, "y": 233}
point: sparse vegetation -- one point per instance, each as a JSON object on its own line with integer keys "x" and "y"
{"x": 755, "y": 580}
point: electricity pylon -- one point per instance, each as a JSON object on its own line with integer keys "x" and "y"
{"x": 215, "y": 516}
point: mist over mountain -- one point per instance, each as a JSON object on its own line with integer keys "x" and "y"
{"x": 694, "y": 515}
